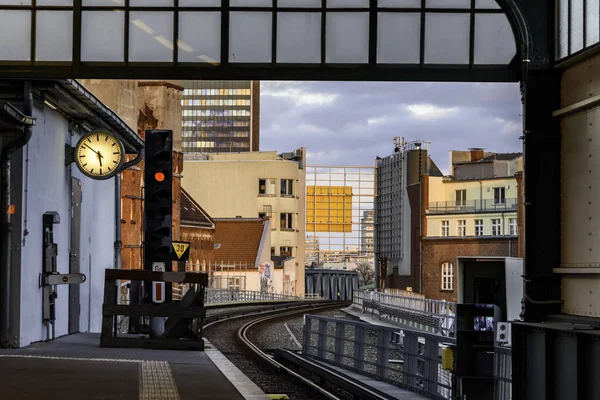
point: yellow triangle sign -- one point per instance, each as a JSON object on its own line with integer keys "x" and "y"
{"x": 180, "y": 248}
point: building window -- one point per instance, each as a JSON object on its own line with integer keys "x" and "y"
{"x": 266, "y": 187}
{"x": 462, "y": 227}
{"x": 272, "y": 251}
{"x": 461, "y": 197}
{"x": 447, "y": 276}
{"x": 513, "y": 227}
{"x": 286, "y": 222}
{"x": 496, "y": 227}
{"x": 445, "y": 228}
{"x": 478, "y": 227}
{"x": 499, "y": 195}
{"x": 287, "y": 187}
{"x": 285, "y": 251}
{"x": 233, "y": 283}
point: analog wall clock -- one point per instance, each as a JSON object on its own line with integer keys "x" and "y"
{"x": 99, "y": 155}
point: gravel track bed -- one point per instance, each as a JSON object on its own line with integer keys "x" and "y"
{"x": 274, "y": 335}
{"x": 223, "y": 336}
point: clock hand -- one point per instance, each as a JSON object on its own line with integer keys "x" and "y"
{"x": 85, "y": 144}
{"x": 100, "y": 158}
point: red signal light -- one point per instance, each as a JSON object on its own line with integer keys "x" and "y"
{"x": 159, "y": 176}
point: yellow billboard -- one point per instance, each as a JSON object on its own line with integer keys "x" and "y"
{"x": 329, "y": 209}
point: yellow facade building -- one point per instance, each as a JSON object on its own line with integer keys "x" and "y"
{"x": 479, "y": 199}
{"x": 257, "y": 184}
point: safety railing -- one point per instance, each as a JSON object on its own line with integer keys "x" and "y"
{"x": 503, "y": 373}
{"x": 435, "y": 316}
{"x": 407, "y": 358}
{"x": 214, "y": 296}
{"x": 471, "y": 206}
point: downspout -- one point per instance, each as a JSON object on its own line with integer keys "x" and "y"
{"x": 6, "y": 157}
{"x": 118, "y": 242}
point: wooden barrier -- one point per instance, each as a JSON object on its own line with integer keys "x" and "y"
{"x": 179, "y": 314}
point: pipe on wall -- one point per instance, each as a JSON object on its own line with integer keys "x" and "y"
{"x": 6, "y": 240}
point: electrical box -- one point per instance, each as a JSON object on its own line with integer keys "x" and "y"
{"x": 448, "y": 359}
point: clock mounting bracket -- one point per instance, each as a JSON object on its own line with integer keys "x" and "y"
{"x": 69, "y": 154}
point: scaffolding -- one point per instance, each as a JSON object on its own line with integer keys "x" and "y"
{"x": 340, "y": 215}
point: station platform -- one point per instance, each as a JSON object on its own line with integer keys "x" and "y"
{"x": 75, "y": 367}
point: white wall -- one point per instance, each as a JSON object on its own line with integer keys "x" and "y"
{"x": 49, "y": 182}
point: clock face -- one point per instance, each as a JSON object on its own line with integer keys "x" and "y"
{"x": 99, "y": 155}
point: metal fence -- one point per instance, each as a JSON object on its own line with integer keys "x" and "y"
{"x": 232, "y": 296}
{"x": 407, "y": 358}
{"x": 503, "y": 373}
{"x": 471, "y": 206}
{"x": 214, "y": 296}
{"x": 435, "y": 316}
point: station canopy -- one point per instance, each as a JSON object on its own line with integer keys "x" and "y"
{"x": 258, "y": 39}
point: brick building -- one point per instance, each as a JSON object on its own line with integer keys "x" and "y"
{"x": 475, "y": 212}
{"x": 198, "y": 228}
{"x": 439, "y": 254}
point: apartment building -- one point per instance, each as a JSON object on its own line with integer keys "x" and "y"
{"x": 257, "y": 185}
{"x": 472, "y": 212}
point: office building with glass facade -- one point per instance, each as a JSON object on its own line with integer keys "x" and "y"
{"x": 220, "y": 117}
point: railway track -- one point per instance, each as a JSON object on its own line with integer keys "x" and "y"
{"x": 288, "y": 373}
{"x": 230, "y": 336}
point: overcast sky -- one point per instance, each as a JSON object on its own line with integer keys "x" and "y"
{"x": 351, "y": 123}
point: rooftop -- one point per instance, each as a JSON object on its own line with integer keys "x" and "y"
{"x": 491, "y": 157}
{"x": 192, "y": 214}
{"x": 237, "y": 240}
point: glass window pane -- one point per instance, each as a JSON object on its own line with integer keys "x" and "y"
{"x": 494, "y": 39}
{"x": 151, "y": 36}
{"x": 54, "y": 36}
{"x": 489, "y": 4}
{"x": 199, "y": 3}
{"x": 299, "y": 3}
{"x": 199, "y": 37}
{"x": 576, "y": 26}
{"x": 99, "y": 3}
{"x": 400, "y": 3}
{"x": 16, "y": 25}
{"x": 447, "y": 38}
{"x": 347, "y": 37}
{"x": 15, "y": 2}
{"x": 298, "y": 37}
{"x": 592, "y": 22}
{"x": 398, "y": 38}
{"x": 347, "y": 3}
{"x": 56, "y": 3}
{"x": 250, "y": 37}
{"x": 563, "y": 28}
{"x": 151, "y": 3}
{"x": 102, "y": 34}
{"x": 251, "y": 3}
{"x": 448, "y": 3}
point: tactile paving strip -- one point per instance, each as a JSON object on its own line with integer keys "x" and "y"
{"x": 157, "y": 382}
{"x": 155, "y": 378}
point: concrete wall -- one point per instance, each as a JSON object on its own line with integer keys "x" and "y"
{"x": 121, "y": 96}
{"x": 444, "y": 191}
{"x": 164, "y": 98}
{"x": 48, "y": 182}
{"x": 434, "y": 223}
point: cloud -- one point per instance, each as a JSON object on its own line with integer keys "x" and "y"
{"x": 430, "y": 111}
{"x": 351, "y": 123}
